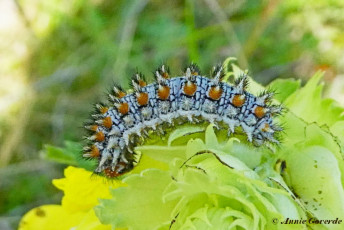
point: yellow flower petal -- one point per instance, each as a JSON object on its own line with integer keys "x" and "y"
{"x": 82, "y": 189}
{"x": 52, "y": 217}
{"x": 91, "y": 222}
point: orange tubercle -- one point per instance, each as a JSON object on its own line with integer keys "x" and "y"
{"x": 103, "y": 109}
{"x": 107, "y": 122}
{"x": 123, "y": 108}
{"x": 190, "y": 88}
{"x": 93, "y": 128}
{"x": 142, "y": 83}
{"x": 215, "y": 92}
{"x": 259, "y": 111}
{"x": 165, "y": 75}
{"x": 94, "y": 151}
{"x": 163, "y": 92}
{"x": 121, "y": 94}
{"x": 238, "y": 100}
{"x": 100, "y": 136}
{"x": 142, "y": 99}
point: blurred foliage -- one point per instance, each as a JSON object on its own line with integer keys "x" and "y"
{"x": 63, "y": 55}
{"x": 70, "y": 155}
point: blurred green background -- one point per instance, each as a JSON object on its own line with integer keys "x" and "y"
{"x": 59, "y": 57}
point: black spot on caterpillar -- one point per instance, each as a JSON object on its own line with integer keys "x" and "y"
{"x": 125, "y": 122}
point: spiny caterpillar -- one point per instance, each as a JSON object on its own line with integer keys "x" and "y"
{"x": 193, "y": 98}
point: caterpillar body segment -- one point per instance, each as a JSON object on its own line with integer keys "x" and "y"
{"x": 126, "y": 122}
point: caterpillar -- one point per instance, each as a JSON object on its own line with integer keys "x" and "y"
{"x": 129, "y": 117}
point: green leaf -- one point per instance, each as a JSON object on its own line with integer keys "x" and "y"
{"x": 210, "y": 137}
{"x": 58, "y": 155}
{"x": 182, "y": 132}
{"x": 248, "y": 154}
{"x": 207, "y": 182}
{"x": 314, "y": 167}
{"x": 70, "y": 155}
{"x": 162, "y": 153}
{"x": 316, "y": 178}
{"x": 338, "y": 130}
{"x": 217, "y": 218}
{"x": 307, "y": 104}
{"x": 284, "y": 88}
{"x": 63, "y": 155}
